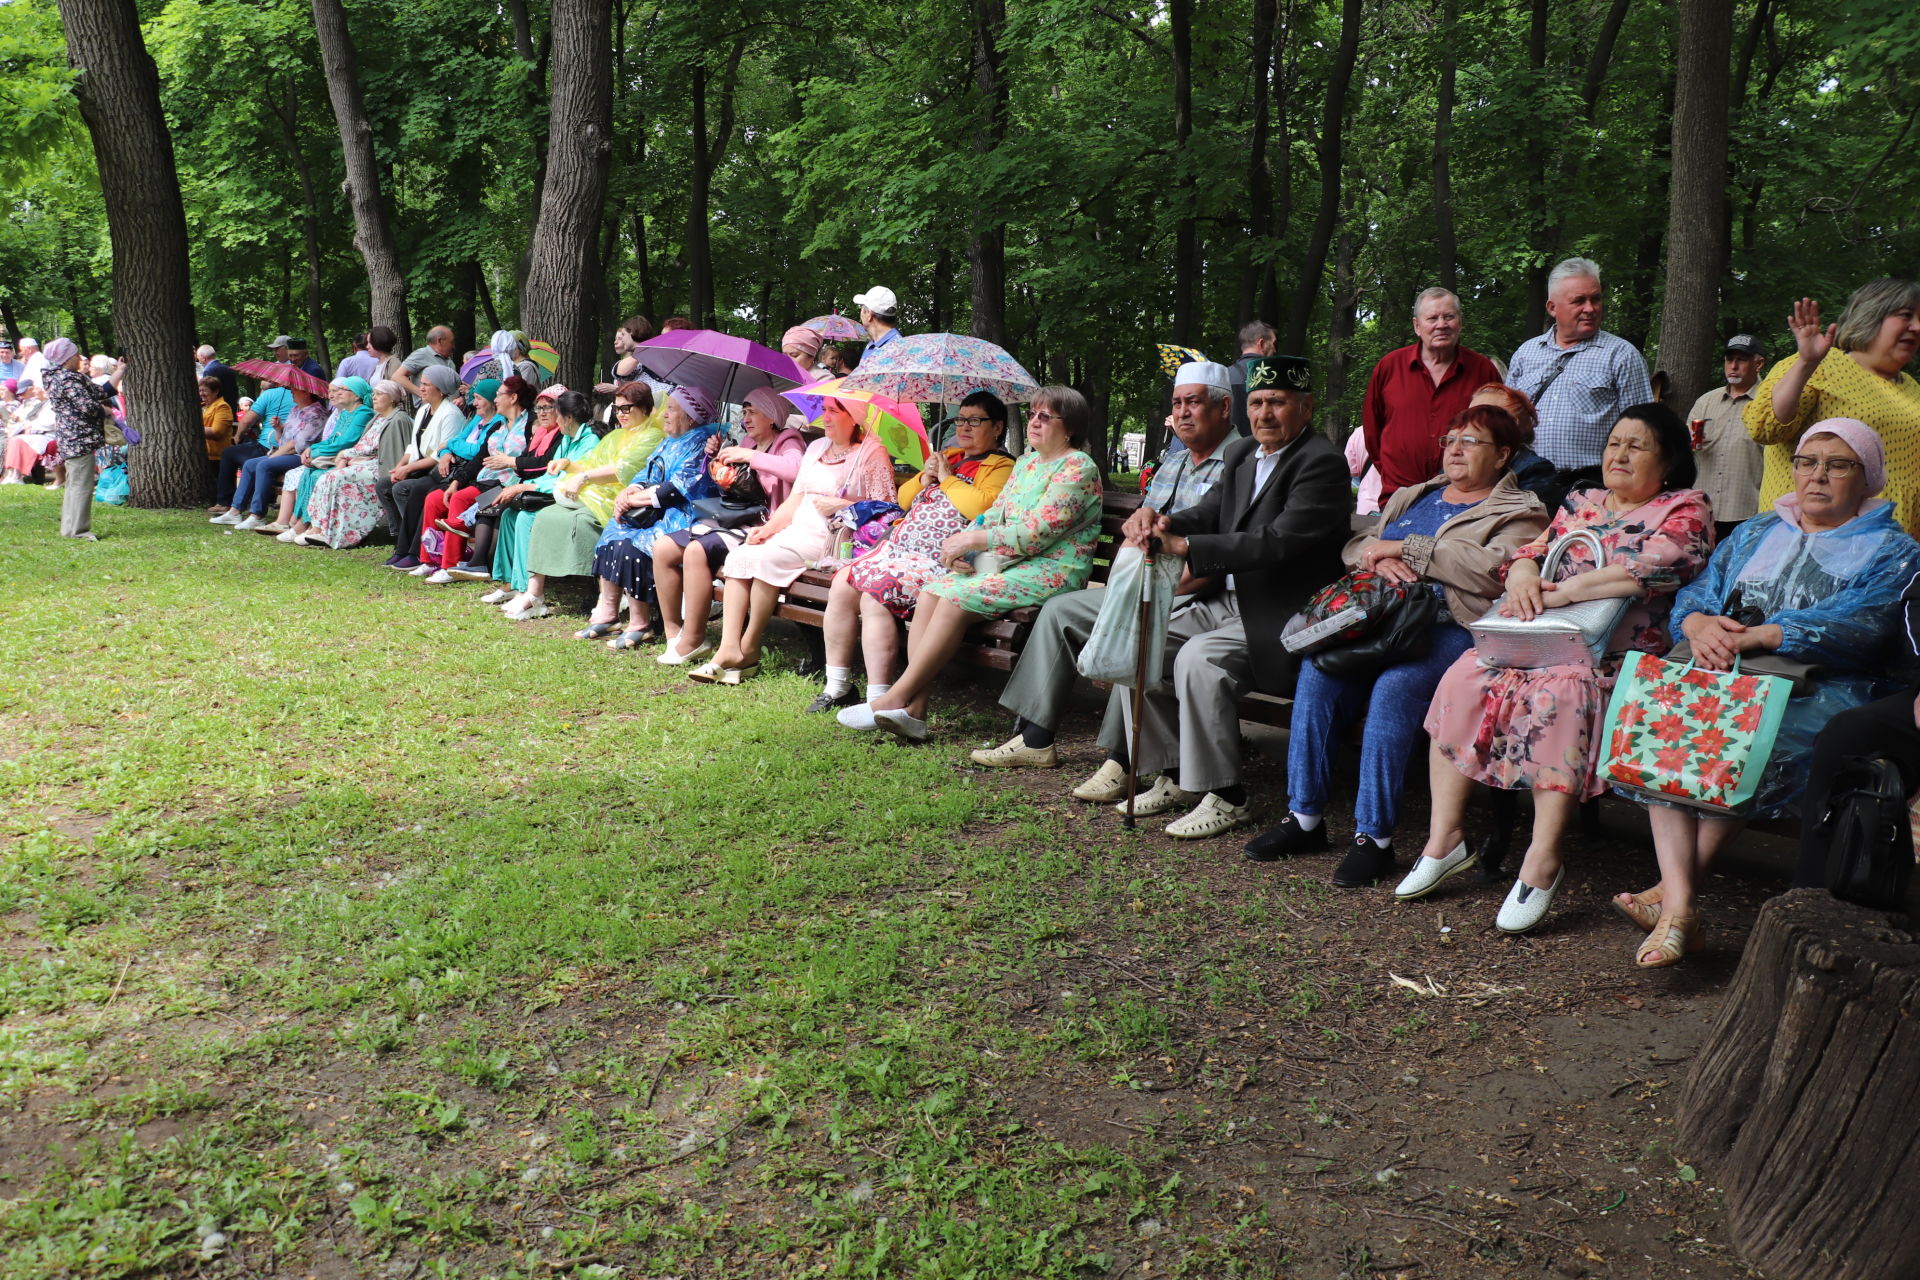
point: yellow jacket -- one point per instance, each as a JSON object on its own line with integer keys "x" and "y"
{"x": 969, "y": 498}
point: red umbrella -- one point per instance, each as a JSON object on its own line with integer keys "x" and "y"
{"x": 283, "y": 375}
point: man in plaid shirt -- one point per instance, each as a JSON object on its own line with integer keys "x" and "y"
{"x": 1578, "y": 376}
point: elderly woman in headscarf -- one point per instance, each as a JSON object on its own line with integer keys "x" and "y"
{"x": 802, "y": 346}
{"x": 80, "y": 427}
{"x": 685, "y": 560}
{"x": 352, "y": 413}
{"x": 1808, "y": 591}
{"x": 341, "y": 506}
{"x": 426, "y": 464}
{"x": 569, "y": 416}
{"x": 561, "y": 542}
{"x": 659, "y": 500}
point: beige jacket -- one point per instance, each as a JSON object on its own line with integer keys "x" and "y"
{"x": 1465, "y": 556}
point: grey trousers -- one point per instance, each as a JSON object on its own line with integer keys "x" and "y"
{"x": 1043, "y": 678}
{"x": 1193, "y": 726}
{"x": 76, "y": 496}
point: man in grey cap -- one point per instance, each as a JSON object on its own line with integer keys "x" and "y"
{"x": 1729, "y": 462}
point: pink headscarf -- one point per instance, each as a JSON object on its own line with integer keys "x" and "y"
{"x": 61, "y": 350}
{"x": 803, "y": 337}
{"x": 1860, "y": 438}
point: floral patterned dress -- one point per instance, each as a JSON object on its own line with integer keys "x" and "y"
{"x": 342, "y": 507}
{"x": 864, "y": 474}
{"x": 79, "y": 410}
{"x": 894, "y": 571}
{"x": 1046, "y": 522}
{"x": 1519, "y": 728}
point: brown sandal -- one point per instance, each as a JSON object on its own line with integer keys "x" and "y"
{"x": 1641, "y": 908}
{"x": 1669, "y": 942}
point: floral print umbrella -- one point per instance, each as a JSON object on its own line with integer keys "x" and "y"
{"x": 941, "y": 368}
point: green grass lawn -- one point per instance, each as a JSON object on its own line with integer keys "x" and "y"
{"x": 352, "y": 930}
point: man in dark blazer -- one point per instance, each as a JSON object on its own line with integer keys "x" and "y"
{"x": 1270, "y": 530}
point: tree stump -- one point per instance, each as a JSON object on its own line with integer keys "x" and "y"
{"x": 1802, "y": 1098}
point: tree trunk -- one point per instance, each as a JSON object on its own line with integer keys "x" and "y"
{"x": 468, "y": 295}
{"x": 1445, "y": 242}
{"x": 1696, "y": 248}
{"x": 1259, "y": 263}
{"x": 1801, "y": 1097}
{"x": 486, "y": 298}
{"x": 119, "y": 92}
{"x": 12, "y": 326}
{"x": 987, "y": 250}
{"x": 1313, "y": 264}
{"x": 1340, "y": 330}
{"x": 1186, "y": 247}
{"x": 646, "y": 267}
{"x": 707, "y": 155}
{"x": 1537, "y": 177}
{"x": 1629, "y": 301}
{"x": 372, "y": 231}
{"x": 309, "y": 219}
{"x": 1280, "y": 216}
{"x": 557, "y": 304}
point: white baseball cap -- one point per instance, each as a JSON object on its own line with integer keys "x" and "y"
{"x": 878, "y": 299}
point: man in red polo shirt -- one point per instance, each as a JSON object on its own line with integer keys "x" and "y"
{"x": 1416, "y": 390}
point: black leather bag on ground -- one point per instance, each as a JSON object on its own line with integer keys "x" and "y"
{"x": 1404, "y": 634}
{"x": 1869, "y": 834}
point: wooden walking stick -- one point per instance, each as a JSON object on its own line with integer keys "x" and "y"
{"x": 1140, "y": 675}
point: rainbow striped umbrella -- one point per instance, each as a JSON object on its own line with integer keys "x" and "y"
{"x": 897, "y": 425}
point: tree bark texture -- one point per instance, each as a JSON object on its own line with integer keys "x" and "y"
{"x": 707, "y": 155}
{"x": 1255, "y": 272}
{"x": 372, "y": 229}
{"x": 1801, "y": 1098}
{"x": 119, "y": 92}
{"x": 1186, "y": 249}
{"x": 558, "y": 302}
{"x": 1313, "y": 264}
{"x": 1696, "y": 244}
{"x": 1537, "y": 178}
{"x": 309, "y": 219}
{"x": 987, "y": 250}
{"x": 1446, "y": 242}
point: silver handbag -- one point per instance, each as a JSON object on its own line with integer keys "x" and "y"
{"x": 1566, "y": 635}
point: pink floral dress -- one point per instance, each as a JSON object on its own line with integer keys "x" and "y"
{"x": 1536, "y": 729}
{"x": 343, "y": 507}
{"x": 1046, "y": 521}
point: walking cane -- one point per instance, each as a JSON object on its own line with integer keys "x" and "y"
{"x": 1140, "y": 674}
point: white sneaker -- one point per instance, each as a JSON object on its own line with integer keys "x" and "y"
{"x": 532, "y": 607}
{"x": 901, "y": 725}
{"x": 1108, "y": 783}
{"x": 672, "y": 657}
{"x": 248, "y": 523}
{"x": 1526, "y": 906}
{"x": 423, "y": 571}
{"x": 1211, "y": 817}
{"x": 1429, "y": 874}
{"x": 1161, "y": 797}
{"x": 858, "y": 716}
{"x": 499, "y": 595}
{"x": 439, "y": 578}
{"x": 229, "y": 516}
{"x": 1014, "y": 753}
{"x": 286, "y": 535}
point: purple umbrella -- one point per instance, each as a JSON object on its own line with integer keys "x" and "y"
{"x": 718, "y": 363}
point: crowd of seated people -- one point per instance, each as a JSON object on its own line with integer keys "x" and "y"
{"x": 666, "y": 506}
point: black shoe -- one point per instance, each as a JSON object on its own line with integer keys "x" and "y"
{"x": 1493, "y": 857}
{"x": 1286, "y": 840}
{"x": 1365, "y": 864}
{"x": 834, "y": 701}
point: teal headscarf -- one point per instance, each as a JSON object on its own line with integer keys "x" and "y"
{"x": 361, "y": 391}
{"x": 349, "y": 424}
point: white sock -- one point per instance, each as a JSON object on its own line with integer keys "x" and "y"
{"x": 1378, "y": 842}
{"x": 839, "y": 680}
{"x": 1307, "y": 821}
{"x": 875, "y": 690}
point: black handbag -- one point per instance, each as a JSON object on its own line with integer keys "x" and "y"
{"x": 1404, "y": 633}
{"x": 1869, "y": 834}
{"x": 722, "y": 514}
{"x": 531, "y": 500}
{"x": 465, "y": 472}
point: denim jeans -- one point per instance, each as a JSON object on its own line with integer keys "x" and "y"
{"x": 232, "y": 458}
{"x": 1395, "y": 704}
{"x": 257, "y": 478}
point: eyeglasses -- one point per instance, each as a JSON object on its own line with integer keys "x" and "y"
{"x": 1842, "y": 467}
{"x": 1465, "y": 442}
{"x": 971, "y": 422}
{"x": 626, "y": 408}
{"x": 543, "y": 408}
{"x": 1042, "y": 417}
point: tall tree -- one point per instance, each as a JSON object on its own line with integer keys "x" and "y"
{"x": 1257, "y": 275}
{"x": 708, "y": 152}
{"x": 1696, "y": 246}
{"x": 1446, "y": 243}
{"x": 1186, "y": 235}
{"x": 1333, "y": 122}
{"x": 283, "y": 108}
{"x": 373, "y": 232}
{"x": 558, "y": 304}
{"x": 119, "y": 92}
{"x": 987, "y": 249}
